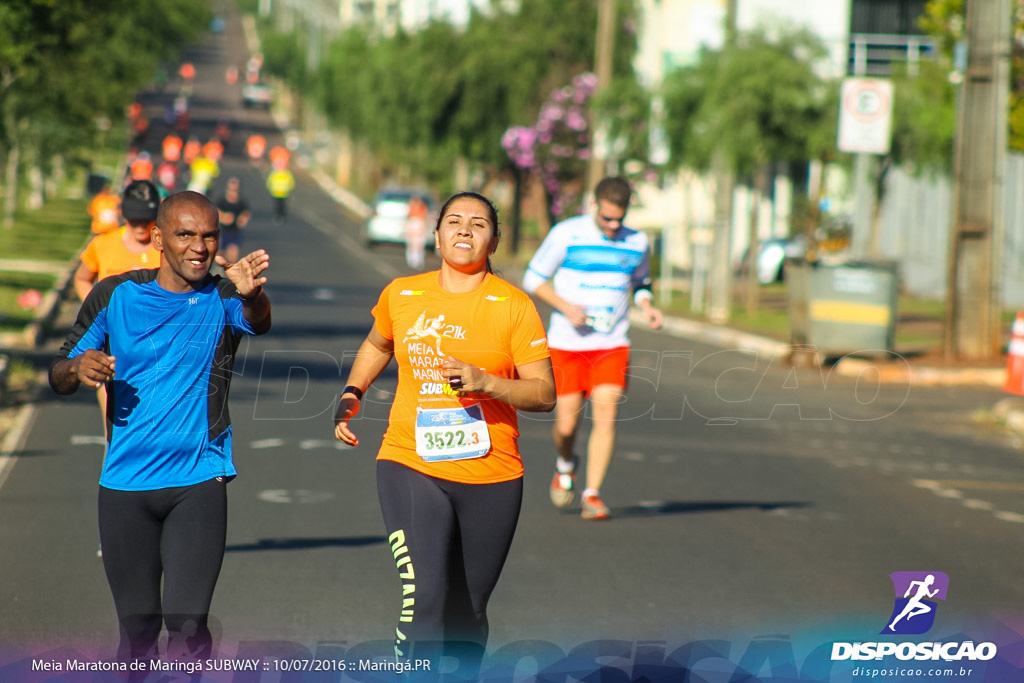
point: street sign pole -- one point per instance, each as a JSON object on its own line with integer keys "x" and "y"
{"x": 865, "y": 128}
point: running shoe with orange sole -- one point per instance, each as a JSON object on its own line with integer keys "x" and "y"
{"x": 594, "y": 508}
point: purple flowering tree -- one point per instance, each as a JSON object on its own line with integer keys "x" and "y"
{"x": 557, "y": 147}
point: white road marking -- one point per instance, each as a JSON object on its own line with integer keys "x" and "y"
{"x": 1010, "y": 517}
{"x": 87, "y": 440}
{"x": 15, "y": 438}
{"x": 266, "y": 443}
{"x": 301, "y": 496}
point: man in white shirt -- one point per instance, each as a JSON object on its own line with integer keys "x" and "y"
{"x": 587, "y": 269}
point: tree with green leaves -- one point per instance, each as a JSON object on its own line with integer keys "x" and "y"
{"x": 424, "y": 99}
{"x": 64, "y": 65}
{"x": 759, "y": 101}
{"x": 945, "y": 21}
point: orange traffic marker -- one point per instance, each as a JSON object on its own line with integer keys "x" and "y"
{"x": 1015, "y": 358}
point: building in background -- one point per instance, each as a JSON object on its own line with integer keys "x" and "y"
{"x": 387, "y": 16}
{"x": 861, "y": 36}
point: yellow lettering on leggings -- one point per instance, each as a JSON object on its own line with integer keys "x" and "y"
{"x": 405, "y": 572}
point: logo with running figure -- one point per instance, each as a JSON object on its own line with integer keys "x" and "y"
{"x": 914, "y": 610}
{"x": 424, "y": 329}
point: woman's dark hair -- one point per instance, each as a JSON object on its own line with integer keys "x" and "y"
{"x": 492, "y": 215}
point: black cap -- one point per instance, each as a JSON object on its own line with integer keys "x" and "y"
{"x": 140, "y": 201}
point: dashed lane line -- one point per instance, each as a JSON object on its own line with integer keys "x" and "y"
{"x": 951, "y": 489}
{"x": 971, "y": 484}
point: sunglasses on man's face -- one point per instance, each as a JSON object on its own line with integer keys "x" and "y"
{"x": 609, "y": 219}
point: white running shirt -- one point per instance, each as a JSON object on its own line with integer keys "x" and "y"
{"x": 589, "y": 269}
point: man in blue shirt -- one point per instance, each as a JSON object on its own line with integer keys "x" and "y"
{"x": 163, "y": 342}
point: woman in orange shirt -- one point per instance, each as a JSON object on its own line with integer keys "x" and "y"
{"x": 471, "y": 351}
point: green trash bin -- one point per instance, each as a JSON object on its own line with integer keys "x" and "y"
{"x": 843, "y": 309}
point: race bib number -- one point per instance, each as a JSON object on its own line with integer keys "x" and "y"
{"x": 601, "y": 319}
{"x": 451, "y": 434}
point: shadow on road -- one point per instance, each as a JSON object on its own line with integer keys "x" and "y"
{"x": 268, "y": 544}
{"x": 694, "y": 507}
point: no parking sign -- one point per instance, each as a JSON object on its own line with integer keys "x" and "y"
{"x": 865, "y": 116}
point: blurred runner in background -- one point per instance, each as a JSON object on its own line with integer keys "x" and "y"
{"x": 416, "y": 233}
{"x": 105, "y": 209}
{"x": 234, "y": 216}
{"x": 587, "y": 269}
{"x": 280, "y": 184}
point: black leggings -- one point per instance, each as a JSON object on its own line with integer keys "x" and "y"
{"x": 450, "y": 541}
{"x": 177, "y": 533}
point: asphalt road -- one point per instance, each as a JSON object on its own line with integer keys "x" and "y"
{"x": 758, "y": 510}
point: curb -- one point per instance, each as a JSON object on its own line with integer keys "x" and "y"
{"x": 902, "y": 372}
{"x": 716, "y": 335}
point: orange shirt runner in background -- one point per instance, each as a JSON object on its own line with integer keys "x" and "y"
{"x": 134, "y": 112}
{"x": 187, "y": 71}
{"x": 255, "y": 146}
{"x": 191, "y": 151}
{"x": 107, "y": 255}
{"x": 172, "y": 145}
{"x": 213, "y": 150}
{"x": 142, "y": 167}
{"x": 105, "y": 209}
{"x": 495, "y": 327}
{"x": 279, "y": 156}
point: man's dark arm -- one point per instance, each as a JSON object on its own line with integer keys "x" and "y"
{"x": 256, "y": 310}
{"x": 93, "y": 368}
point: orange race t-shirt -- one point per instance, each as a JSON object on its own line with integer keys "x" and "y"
{"x": 106, "y": 255}
{"x": 255, "y": 146}
{"x": 172, "y": 145}
{"x": 495, "y": 327}
{"x": 142, "y": 168}
{"x": 279, "y": 156}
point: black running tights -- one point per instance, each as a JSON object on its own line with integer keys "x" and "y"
{"x": 450, "y": 542}
{"x": 177, "y": 534}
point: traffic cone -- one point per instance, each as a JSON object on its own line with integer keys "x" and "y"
{"x": 1015, "y": 358}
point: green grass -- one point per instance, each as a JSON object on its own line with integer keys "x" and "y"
{"x": 56, "y": 232}
{"x": 12, "y": 316}
{"x": 910, "y": 306}
{"x": 771, "y": 319}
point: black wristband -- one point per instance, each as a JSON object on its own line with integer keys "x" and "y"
{"x": 351, "y": 389}
{"x": 252, "y": 297}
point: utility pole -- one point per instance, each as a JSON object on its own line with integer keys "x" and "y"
{"x": 972, "y": 313}
{"x": 720, "y": 284}
{"x": 603, "y": 71}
